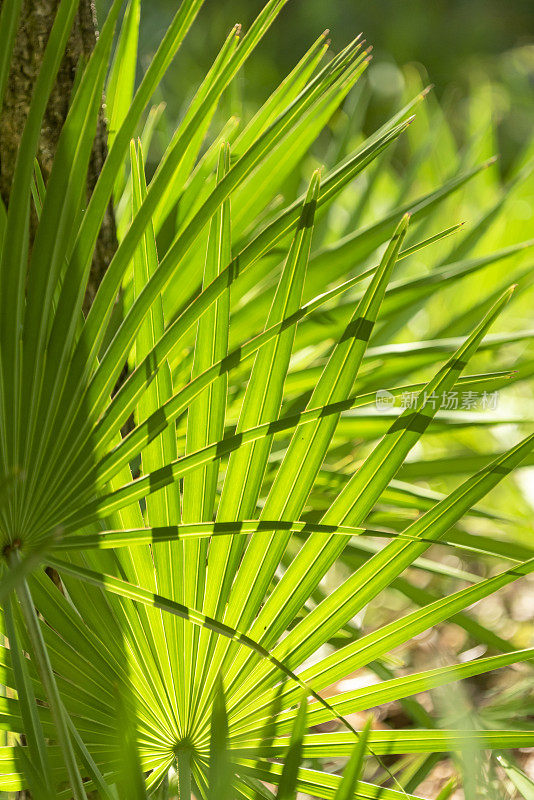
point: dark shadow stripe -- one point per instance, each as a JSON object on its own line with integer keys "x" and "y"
{"x": 416, "y": 422}
{"x": 307, "y": 215}
{"x": 456, "y": 363}
{"x": 498, "y": 469}
{"x": 358, "y": 328}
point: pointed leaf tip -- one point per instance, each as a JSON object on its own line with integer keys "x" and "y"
{"x": 223, "y": 164}
{"x": 402, "y": 226}
{"x": 499, "y": 305}
{"x": 313, "y": 189}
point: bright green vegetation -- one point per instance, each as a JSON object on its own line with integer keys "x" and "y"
{"x": 220, "y": 559}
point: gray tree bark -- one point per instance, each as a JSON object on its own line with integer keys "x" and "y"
{"x": 35, "y": 24}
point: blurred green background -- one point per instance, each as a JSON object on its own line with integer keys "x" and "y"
{"x": 455, "y": 44}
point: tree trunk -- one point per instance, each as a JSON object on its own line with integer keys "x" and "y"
{"x": 35, "y": 25}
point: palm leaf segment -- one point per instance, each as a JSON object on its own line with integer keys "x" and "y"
{"x": 169, "y": 540}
